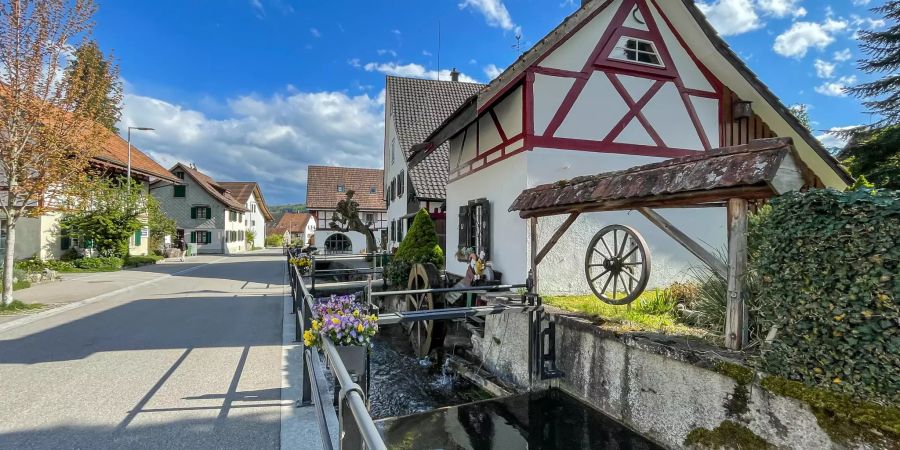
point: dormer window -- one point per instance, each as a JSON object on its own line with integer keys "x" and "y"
{"x": 637, "y": 51}
{"x": 340, "y": 188}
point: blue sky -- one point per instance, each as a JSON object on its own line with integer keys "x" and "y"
{"x": 259, "y": 89}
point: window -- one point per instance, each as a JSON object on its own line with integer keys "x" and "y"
{"x": 338, "y": 243}
{"x": 400, "y": 182}
{"x": 393, "y": 230}
{"x": 373, "y": 190}
{"x": 201, "y": 237}
{"x": 201, "y": 212}
{"x": 180, "y": 191}
{"x": 636, "y": 50}
{"x": 475, "y": 227}
{"x": 370, "y": 218}
{"x": 180, "y": 175}
{"x": 340, "y": 188}
{"x": 400, "y": 230}
{"x": 393, "y": 149}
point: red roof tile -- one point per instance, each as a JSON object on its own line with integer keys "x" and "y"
{"x": 323, "y": 187}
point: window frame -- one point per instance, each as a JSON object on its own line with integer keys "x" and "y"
{"x": 622, "y": 46}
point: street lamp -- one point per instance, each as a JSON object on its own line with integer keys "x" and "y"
{"x": 129, "y": 147}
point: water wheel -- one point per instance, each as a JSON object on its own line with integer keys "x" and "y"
{"x": 425, "y": 334}
{"x": 617, "y": 258}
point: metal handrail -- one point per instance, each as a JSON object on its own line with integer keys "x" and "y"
{"x": 314, "y": 371}
{"x": 471, "y": 289}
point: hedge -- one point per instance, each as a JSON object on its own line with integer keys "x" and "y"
{"x": 828, "y": 262}
{"x": 108, "y": 264}
{"x": 419, "y": 246}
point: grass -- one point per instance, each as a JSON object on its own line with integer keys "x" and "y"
{"x": 650, "y": 312}
{"x": 17, "y": 307}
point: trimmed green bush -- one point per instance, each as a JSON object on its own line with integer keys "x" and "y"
{"x": 274, "y": 240}
{"x": 136, "y": 261}
{"x": 107, "y": 264}
{"x": 419, "y": 246}
{"x": 828, "y": 265}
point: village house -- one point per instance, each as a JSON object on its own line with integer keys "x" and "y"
{"x": 326, "y": 186}
{"x": 618, "y": 84}
{"x": 413, "y": 108}
{"x": 204, "y": 210}
{"x": 250, "y": 195}
{"x": 40, "y": 236}
{"x": 296, "y": 227}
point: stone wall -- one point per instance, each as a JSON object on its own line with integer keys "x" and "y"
{"x": 660, "y": 386}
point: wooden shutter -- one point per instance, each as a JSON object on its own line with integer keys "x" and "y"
{"x": 485, "y": 228}
{"x": 193, "y": 212}
{"x": 137, "y": 238}
{"x": 193, "y": 237}
{"x": 65, "y": 243}
{"x": 208, "y": 213}
{"x": 464, "y": 221}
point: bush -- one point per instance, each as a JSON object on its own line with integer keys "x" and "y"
{"x": 828, "y": 264}
{"x": 274, "y": 240}
{"x": 30, "y": 265}
{"x": 107, "y": 264}
{"x": 135, "y": 261}
{"x": 655, "y": 303}
{"x": 60, "y": 266}
{"x": 70, "y": 255}
{"x": 419, "y": 246}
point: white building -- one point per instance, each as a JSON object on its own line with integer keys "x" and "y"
{"x": 257, "y": 215}
{"x": 296, "y": 227}
{"x": 619, "y": 83}
{"x": 413, "y": 108}
{"x": 326, "y": 186}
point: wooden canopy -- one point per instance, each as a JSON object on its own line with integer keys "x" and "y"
{"x": 761, "y": 169}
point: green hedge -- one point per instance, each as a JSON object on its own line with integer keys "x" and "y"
{"x": 828, "y": 263}
{"x": 136, "y": 261}
{"x": 109, "y": 264}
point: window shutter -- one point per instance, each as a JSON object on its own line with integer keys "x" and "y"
{"x": 193, "y": 237}
{"x": 486, "y": 228}
{"x": 208, "y": 212}
{"x": 464, "y": 221}
{"x": 137, "y": 238}
{"x": 193, "y": 213}
{"x": 65, "y": 243}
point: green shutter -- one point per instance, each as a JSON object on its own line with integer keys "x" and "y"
{"x": 193, "y": 212}
{"x": 180, "y": 191}
{"x": 65, "y": 243}
{"x": 193, "y": 237}
{"x": 137, "y": 238}
{"x": 208, "y": 213}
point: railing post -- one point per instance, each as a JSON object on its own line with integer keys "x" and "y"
{"x": 305, "y": 323}
{"x": 349, "y": 433}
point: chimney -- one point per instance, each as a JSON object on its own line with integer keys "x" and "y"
{"x": 454, "y": 75}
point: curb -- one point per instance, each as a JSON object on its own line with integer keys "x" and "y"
{"x": 70, "y": 306}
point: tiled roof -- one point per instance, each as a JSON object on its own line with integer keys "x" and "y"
{"x": 214, "y": 189}
{"x": 296, "y": 222}
{"x": 322, "y": 187}
{"x": 418, "y": 107}
{"x": 241, "y": 191}
{"x": 115, "y": 152}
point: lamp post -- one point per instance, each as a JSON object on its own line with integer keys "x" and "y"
{"x": 129, "y": 148}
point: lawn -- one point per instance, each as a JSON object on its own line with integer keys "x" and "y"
{"x": 17, "y": 307}
{"x": 651, "y": 312}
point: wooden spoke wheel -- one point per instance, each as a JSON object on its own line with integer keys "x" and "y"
{"x": 424, "y": 334}
{"x": 617, "y": 264}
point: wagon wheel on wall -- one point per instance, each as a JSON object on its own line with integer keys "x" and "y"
{"x": 423, "y": 334}
{"x": 617, "y": 259}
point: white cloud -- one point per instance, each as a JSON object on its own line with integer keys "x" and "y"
{"x": 315, "y": 32}
{"x": 494, "y": 12}
{"x": 824, "y": 69}
{"x": 861, "y": 2}
{"x": 492, "y": 71}
{"x": 836, "y": 88}
{"x": 830, "y": 139}
{"x": 796, "y": 41}
{"x": 731, "y": 17}
{"x": 413, "y": 70}
{"x": 383, "y": 52}
{"x": 426, "y": 53}
{"x": 843, "y": 55}
{"x": 782, "y": 8}
{"x": 270, "y": 140}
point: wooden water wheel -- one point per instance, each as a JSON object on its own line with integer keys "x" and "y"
{"x": 424, "y": 335}
{"x": 617, "y": 258}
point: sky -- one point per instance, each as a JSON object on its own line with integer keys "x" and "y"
{"x": 257, "y": 90}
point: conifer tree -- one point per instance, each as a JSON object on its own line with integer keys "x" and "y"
{"x": 93, "y": 84}
{"x": 882, "y": 96}
{"x": 420, "y": 245}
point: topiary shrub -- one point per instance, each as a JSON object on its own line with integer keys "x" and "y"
{"x": 419, "y": 246}
{"x": 828, "y": 265}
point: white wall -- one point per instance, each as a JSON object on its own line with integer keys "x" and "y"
{"x": 394, "y": 162}
{"x": 255, "y": 221}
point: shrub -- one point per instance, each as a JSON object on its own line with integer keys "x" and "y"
{"x": 30, "y": 265}
{"x": 274, "y": 240}
{"x": 419, "y": 246}
{"x": 135, "y": 261}
{"x": 60, "y": 266}
{"x": 70, "y": 255}
{"x": 655, "y": 303}
{"x": 106, "y": 264}
{"x": 828, "y": 264}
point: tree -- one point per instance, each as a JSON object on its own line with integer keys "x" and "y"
{"x": 420, "y": 245}
{"x": 159, "y": 223}
{"x": 882, "y": 96}
{"x": 250, "y": 237}
{"x": 875, "y": 156}
{"x": 95, "y": 86}
{"x": 108, "y": 216}
{"x": 46, "y": 141}
{"x": 801, "y": 112}
{"x": 346, "y": 218}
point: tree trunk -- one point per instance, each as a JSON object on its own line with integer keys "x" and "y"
{"x": 9, "y": 261}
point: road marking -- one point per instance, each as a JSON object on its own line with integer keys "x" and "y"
{"x": 55, "y": 311}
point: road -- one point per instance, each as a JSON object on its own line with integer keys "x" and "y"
{"x": 192, "y": 361}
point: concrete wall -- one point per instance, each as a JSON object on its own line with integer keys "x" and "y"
{"x": 659, "y": 386}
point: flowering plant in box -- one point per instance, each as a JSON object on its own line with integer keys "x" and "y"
{"x": 303, "y": 263}
{"x": 343, "y": 320}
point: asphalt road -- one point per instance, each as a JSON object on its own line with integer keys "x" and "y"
{"x": 193, "y": 361}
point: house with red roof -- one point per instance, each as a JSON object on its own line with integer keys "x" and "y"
{"x": 326, "y": 186}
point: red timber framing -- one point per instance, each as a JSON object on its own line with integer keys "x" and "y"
{"x": 730, "y": 131}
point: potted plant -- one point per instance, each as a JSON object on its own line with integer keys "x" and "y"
{"x": 348, "y": 324}
{"x": 303, "y": 263}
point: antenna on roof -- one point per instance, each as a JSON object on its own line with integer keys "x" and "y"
{"x": 518, "y": 45}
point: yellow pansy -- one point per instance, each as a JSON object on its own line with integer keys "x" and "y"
{"x": 335, "y": 320}
{"x": 359, "y": 328}
{"x": 315, "y": 325}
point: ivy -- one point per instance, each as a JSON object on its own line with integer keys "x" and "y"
{"x": 828, "y": 263}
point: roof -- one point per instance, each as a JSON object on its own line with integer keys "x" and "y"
{"x": 322, "y": 187}
{"x": 216, "y": 190}
{"x": 295, "y": 222}
{"x": 242, "y": 190}
{"x": 115, "y": 152}
{"x": 468, "y": 111}
{"x": 762, "y": 169}
{"x": 418, "y": 107}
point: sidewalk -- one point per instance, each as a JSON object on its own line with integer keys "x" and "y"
{"x": 76, "y": 287}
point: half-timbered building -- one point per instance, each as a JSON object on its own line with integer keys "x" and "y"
{"x": 619, "y": 83}
{"x": 325, "y": 187}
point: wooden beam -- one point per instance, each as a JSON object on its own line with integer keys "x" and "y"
{"x": 691, "y": 245}
{"x": 534, "y": 243}
{"x": 555, "y": 238}
{"x": 736, "y": 331}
